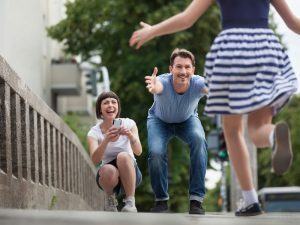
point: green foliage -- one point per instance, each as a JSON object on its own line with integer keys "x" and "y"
{"x": 80, "y": 125}
{"x": 212, "y": 198}
{"x": 179, "y": 162}
{"x": 53, "y": 202}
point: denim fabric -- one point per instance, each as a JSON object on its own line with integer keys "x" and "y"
{"x": 192, "y": 133}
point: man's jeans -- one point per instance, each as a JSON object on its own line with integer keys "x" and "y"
{"x": 192, "y": 133}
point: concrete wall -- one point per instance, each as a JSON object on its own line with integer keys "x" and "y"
{"x": 42, "y": 163}
{"x": 24, "y": 43}
{"x": 23, "y": 40}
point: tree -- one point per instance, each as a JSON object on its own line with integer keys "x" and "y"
{"x": 103, "y": 27}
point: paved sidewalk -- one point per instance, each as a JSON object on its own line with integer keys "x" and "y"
{"x": 45, "y": 217}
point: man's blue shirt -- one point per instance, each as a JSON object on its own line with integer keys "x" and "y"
{"x": 172, "y": 107}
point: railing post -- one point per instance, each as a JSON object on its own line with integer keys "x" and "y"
{"x": 34, "y": 146}
{"x": 54, "y": 158}
{"x": 59, "y": 161}
{"x": 48, "y": 154}
{"x": 42, "y": 151}
{"x": 7, "y": 107}
{"x": 64, "y": 171}
{"x": 18, "y": 136}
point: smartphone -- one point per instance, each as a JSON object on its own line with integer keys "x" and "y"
{"x": 117, "y": 122}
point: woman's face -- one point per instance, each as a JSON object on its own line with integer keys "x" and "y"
{"x": 109, "y": 108}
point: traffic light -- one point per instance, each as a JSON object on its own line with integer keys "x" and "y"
{"x": 222, "y": 150}
{"x": 91, "y": 83}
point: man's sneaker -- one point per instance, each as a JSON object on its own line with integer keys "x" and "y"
{"x": 282, "y": 154}
{"x": 251, "y": 210}
{"x": 160, "y": 207}
{"x": 111, "y": 203}
{"x": 129, "y": 206}
{"x": 196, "y": 207}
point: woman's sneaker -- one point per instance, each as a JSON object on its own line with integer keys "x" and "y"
{"x": 111, "y": 203}
{"x": 129, "y": 206}
{"x": 282, "y": 154}
{"x": 251, "y": 210}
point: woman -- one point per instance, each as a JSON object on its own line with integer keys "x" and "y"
{"x": 113, "y": 147}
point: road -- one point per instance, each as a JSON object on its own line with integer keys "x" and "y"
{"x": 47, "y": 217}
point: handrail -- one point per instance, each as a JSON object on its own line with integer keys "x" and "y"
{"x": 42, "y": 162}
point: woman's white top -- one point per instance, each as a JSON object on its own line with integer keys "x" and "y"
{"x": 122, "y": 144}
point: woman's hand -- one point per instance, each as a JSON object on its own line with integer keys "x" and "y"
{"x": 125, "y": 131}
{"x": 112, "y": 134}
{"x": 133, "y": 137}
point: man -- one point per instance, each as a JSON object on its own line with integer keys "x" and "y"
{"x": 174, "y": 114}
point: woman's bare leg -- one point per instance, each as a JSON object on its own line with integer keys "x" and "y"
{"x": 109, "y": 178}
{"x": 127, "y": 173}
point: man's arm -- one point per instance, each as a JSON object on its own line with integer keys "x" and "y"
{"x": 205, "y": 90}
{"x": 153, "y": 85}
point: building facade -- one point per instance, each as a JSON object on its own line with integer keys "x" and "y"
{"x": 24, "y": 44}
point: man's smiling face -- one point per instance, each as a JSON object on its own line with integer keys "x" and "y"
{"x": 182, "y": 70}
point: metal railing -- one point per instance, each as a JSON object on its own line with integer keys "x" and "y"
{"x": 42, "y": 163}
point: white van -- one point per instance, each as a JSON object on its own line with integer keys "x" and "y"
{"x": 280, "y": 199}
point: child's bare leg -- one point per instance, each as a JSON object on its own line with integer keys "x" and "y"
{"x": 238, "y": 153}
{"x": 264, "y": 134}
{"x": 239, "y": 158}
{"x": 260, "y": 127}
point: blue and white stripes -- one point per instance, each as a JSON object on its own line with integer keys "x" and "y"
{"x": 247, "y": 69}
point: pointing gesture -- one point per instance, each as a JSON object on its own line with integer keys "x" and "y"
{"x": 152, "y": 84}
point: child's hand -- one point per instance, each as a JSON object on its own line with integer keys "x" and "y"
{"x": 139, "y": 37}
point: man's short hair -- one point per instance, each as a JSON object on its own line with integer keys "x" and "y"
{"x": 183, "y": 53}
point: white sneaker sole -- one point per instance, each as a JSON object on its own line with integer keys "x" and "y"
{"x": 282, "y": 155}
{"x": 129, "y": 209}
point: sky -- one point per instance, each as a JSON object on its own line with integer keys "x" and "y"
{"x": 291, "y": 39}
{"x": 292, "y": 42}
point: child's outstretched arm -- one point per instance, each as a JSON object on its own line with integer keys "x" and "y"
{"x": 180, "y": 21}
{"x": 287, "y": 15}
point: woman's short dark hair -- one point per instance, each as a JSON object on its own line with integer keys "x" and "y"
{"x": 183, "y": 53}
{"x": 105, "y": 95}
